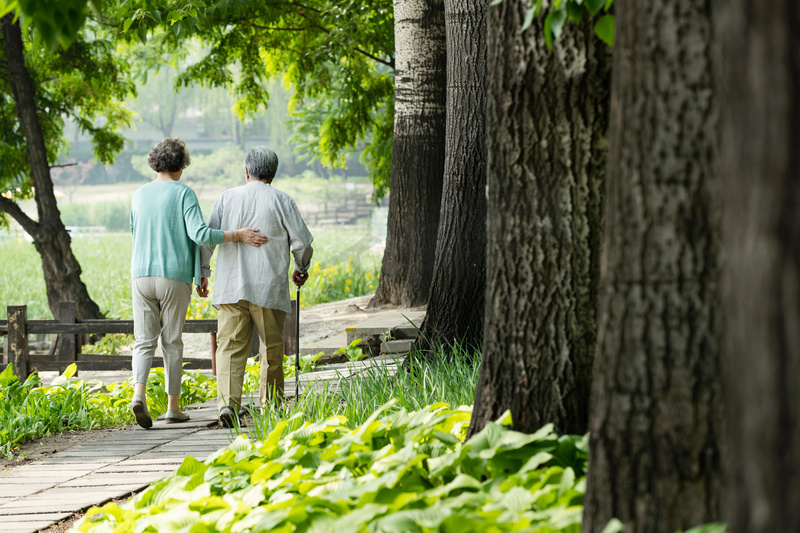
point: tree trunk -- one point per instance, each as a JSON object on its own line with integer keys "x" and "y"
{"x": 656, "y": 418}
{"x": 455, "y": 307}
{"x": 547, "y": 124}
{"x": 761, "y": 284}
{"x": 61, "y": 270}
{"x": 417, "y": 154}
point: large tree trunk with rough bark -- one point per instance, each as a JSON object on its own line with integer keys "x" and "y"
{"x": 455, "y": 307}
{"x": 62, "y": 272}
{"x": 547, "y": 125}
{"x": 656, "y": 418}
{"x": 760, "y": 153}
{"x": 417, "y": 154}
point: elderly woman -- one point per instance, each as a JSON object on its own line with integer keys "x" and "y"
{"x": 168, "y": 230}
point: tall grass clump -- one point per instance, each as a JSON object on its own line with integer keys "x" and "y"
{"x": 447, "y": 375}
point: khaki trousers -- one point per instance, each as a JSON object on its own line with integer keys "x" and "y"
{"x": 159, "y": 309}
{"x": 234, "y": 336}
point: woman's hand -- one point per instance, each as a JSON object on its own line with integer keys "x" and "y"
{"x": 249, "y": 236}
{"x": 202, "y": 289}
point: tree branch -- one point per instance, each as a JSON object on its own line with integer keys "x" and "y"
{"x": 11, "y": 208}
{"x": 64, "y": 165}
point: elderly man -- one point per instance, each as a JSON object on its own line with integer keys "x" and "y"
{"x": 252, "y": 286}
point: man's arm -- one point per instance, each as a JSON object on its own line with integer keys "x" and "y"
{"x": 300, "y": 239}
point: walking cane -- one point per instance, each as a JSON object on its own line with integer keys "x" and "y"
{"x": 297, "y": 349}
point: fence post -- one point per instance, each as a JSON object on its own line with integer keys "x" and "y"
{"x": 67, "y": 344}
{"x": 18, "y": 339}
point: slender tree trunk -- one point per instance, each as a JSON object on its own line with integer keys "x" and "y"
{"x": 62, "y": 272}
{"x": 547, "y": 124}
{"x": 417, "y": 154}
{"x": 656, "y": 418}
{"x": 761, "y": 283}
{"x": 455, "y": 308}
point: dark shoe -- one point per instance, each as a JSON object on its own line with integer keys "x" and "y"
{"x": 139, "y": 408}
{"x": 176, "y": 417}
{"x": 228, "y": 417}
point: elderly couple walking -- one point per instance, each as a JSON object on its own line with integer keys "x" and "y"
{"x": 255, "y": 227}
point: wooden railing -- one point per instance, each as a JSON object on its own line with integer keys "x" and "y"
{"x": 67, "y": 347}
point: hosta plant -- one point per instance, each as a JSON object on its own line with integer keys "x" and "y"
{"x": 397, "y": 472}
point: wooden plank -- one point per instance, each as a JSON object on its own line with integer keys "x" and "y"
{"x": 18, "y": 339}
{"x": 59, "y": 366}
{"x": 68, "y": 345}
{"x": 110, "y": 326}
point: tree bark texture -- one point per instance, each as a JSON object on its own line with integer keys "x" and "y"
{"x": 62, "y": 272}
{"x": 547, "y": 125}
{"x": 417, "y": 154}
{"x": 656, "y": 419}
{"x": 455, "y": 307}
{"x": 760, "y": 153}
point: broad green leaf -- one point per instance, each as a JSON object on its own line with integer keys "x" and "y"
{"x": 604, "y": 29}
{"x": 594, "y": 6}
{"x": 70, "y": 370}
{"x": 528, "y": 19}
{"x": 559, "y": 17}
{"x": 190, "y": 467}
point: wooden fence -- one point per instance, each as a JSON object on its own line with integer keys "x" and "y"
{"x": 66, "y": 349}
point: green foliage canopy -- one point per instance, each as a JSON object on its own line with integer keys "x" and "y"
{"x": 336, "y": 57}
{"x": 87, "y": 82}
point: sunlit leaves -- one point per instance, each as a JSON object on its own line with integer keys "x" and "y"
{"x": 380, "y": 476}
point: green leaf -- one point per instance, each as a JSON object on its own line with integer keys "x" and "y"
{"x": 557, "y": 22}
{"x": 528, "y": 19}
{"x": 608, "y": 4}
{"x": 594, "y": 6}
{"x": 126, "y": 25}
{"x": 157, "y": 15}
{"x": 574, "y": 12}
{"x": 604, "y": 29}
{"x": 70, "y": 371}
{"x": 6, "y": 8}
{"x": 190, "y": 467}
{"x": 614, "y": 526}
{"x": 548, "y": 30}
{"x": 176, "y": 28}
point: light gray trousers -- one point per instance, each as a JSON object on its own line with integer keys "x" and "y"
{"x": 159, "y": 308}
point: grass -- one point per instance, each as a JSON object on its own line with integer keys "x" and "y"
{"x": 440, "y": 379}
{"x": 105, "y": 261}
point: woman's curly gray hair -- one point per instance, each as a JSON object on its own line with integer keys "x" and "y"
{"x": 170, "y": 155}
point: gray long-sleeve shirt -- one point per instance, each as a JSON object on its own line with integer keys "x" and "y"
{"x": 258, "y": 275}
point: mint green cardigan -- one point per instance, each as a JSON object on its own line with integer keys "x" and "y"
{"x": 168, "y": 230}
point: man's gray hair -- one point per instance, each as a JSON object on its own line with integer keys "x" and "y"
{"x": 261, "y": 163}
